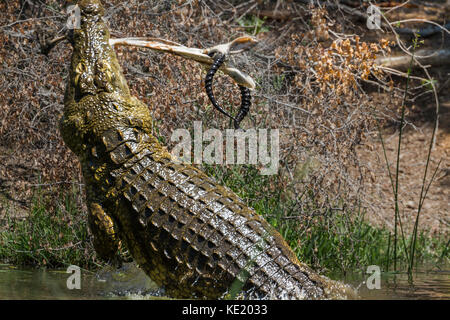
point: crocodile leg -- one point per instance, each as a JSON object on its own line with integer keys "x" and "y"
{"x": 106, "y": 240}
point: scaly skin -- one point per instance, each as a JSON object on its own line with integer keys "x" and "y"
{"x": 192, "y": 236}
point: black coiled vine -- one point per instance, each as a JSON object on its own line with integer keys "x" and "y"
{"x": 245, "y": 92}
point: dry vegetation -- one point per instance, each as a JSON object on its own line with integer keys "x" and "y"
{"x": 317, "y": 82}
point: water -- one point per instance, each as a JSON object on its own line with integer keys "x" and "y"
{"x": 126, "y": 283}
{"x": 131, "y": 283}
{"x": 426, "y": 285}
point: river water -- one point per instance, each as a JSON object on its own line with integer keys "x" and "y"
{"x": 131, "y": 283}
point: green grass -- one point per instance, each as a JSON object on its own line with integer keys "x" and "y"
{"x": 53, "y": 235}
{"x": 253, "y": 25}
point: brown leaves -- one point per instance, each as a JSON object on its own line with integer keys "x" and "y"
{"x": 327, "y": 82}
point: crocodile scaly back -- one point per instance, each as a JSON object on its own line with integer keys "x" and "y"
{"x": 196, "y": 231}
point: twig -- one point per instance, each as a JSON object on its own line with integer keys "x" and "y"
{"x": 29, "y": 19}
{"x": 401, "y": 74}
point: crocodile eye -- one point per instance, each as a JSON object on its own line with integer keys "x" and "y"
{"x": 79, "y": 70}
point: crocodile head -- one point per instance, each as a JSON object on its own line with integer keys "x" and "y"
{"x": 95, "y": 80}
{"x": 94, "y": 66}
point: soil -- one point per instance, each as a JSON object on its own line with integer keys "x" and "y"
{"x": 379, "y": 199}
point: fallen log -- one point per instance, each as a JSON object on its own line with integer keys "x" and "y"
{"x": 435, "y": 58}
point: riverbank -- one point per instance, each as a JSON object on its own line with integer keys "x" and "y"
{"x": 54, "y": 233}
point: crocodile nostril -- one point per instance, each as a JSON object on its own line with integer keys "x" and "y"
{"x": 91, "y": 7}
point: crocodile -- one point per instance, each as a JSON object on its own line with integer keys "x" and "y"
{"x": 194, "y": 237}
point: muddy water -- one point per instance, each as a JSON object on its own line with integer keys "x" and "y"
{"x": 428, "y": 285}
{"x": 131, "y": 283}
{"x": 126, "y": 283}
